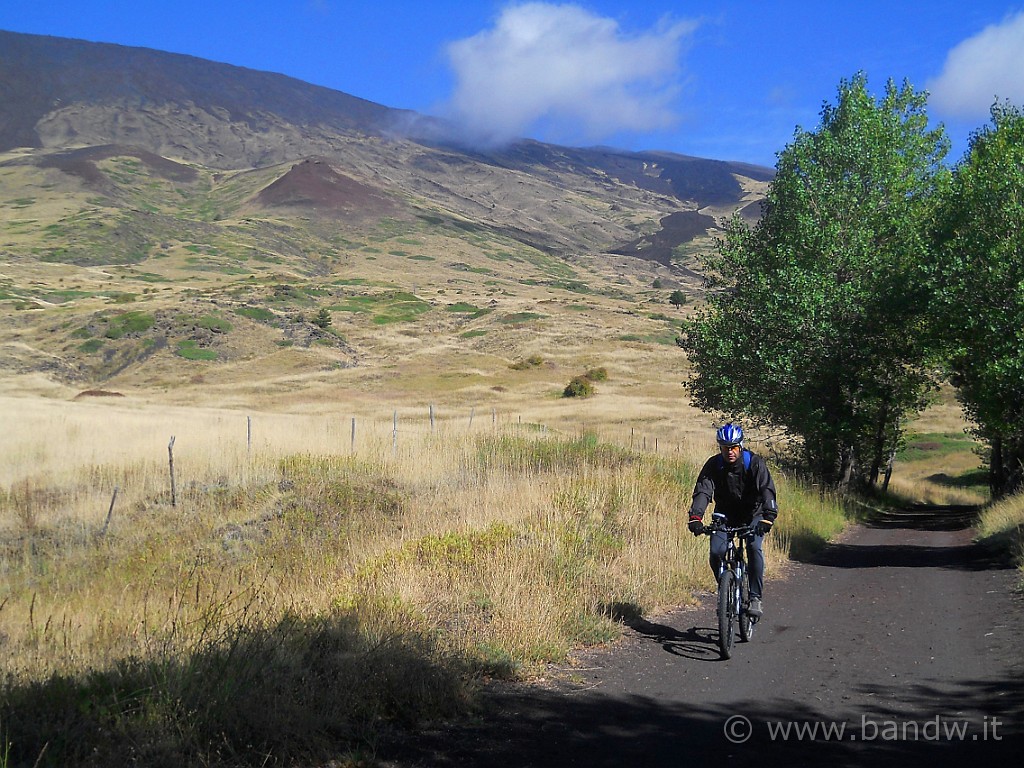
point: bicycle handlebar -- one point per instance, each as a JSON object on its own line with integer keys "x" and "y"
{"x": 739, "y": 530}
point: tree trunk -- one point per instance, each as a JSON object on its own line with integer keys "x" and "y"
{"x": 1014, "y": 466}
{"x": 879, "y": 443}
{"x": 995, "y": 467}
{"x": 848, "y": 459}
{"x": 1006, "y": 466}
{"x": 888, "y": 470}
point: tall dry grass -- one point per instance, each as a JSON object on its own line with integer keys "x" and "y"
{"x": 1001, "y": 525}
{"x": 300, "y": 593}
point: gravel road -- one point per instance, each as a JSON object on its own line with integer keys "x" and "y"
{"x": 900, "y": 644}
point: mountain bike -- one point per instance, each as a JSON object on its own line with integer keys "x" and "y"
{"x": 733, "y": 585}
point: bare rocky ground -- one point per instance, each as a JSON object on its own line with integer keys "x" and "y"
{"x": 901, "y": 644}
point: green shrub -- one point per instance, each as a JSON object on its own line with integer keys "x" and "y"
{"x": 214, "y": 323}
{"x": 258, "y": 314}
{"x": 533, "y": 361}
{"x": 580, "y": 386}
{"x": 462, "y": 307}
{"x": 128, "y": 322}
{"x": 323, "y": 318}
{"x": 190, "y": 351}
{"x": 596, "y": 374}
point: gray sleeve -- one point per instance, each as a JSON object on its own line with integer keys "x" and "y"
{"x": 768, "y": 506}
{"x": 703, "y": 491}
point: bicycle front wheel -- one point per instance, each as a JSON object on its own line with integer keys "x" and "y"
{"x": 726, "y": 612}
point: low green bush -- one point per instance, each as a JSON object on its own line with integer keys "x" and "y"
{"x": 580, "y": 386}
{"x": 128, "y": 322}
{"x": 188, "y": 350}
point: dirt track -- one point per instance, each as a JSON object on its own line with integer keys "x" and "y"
{"x": 903, "y": 639}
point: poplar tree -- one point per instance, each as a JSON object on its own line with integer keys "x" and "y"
{"x": 979, "y": 290}
{"x": 816, "y": 323}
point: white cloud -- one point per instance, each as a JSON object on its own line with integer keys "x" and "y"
{"x": 982, "y": 69}
{"x": 561, "y": 73}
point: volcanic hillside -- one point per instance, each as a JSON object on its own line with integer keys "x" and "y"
{"x": 156, "y": 208}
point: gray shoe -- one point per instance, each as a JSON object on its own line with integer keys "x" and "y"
{"x": 754, "y": 609}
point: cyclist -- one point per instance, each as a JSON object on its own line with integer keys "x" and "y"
{"x": 742, "y": 488}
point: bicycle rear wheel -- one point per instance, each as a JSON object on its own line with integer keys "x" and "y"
{"x": 726, "y": 612}
{"x": 747, "y": 622}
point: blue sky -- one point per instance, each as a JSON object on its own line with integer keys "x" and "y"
{"x": 727, "y": 80}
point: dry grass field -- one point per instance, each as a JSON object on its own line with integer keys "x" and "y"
{"x": 367, "y": 578}
{"x": 367, "y": 521}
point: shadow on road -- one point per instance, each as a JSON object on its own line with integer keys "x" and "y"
{"x": 926, "y": 517}
{"x": 969, "y": 557}
{"x": 540, "y": 729}
{"x": 915, "y": 552}
{"x": 698, "y": 643}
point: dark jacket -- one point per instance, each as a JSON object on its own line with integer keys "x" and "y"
{"x": 743, "y": 493}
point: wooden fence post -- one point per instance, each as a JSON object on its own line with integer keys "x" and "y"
{"x": 353, "y": 434}
{"x": 170, "y": 461}
{"x": 110, "y": 512}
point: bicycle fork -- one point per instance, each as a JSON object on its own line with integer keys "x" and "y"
{"x": 738, "y": 587}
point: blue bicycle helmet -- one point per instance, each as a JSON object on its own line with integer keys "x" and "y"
{"x": 730, "y": 434}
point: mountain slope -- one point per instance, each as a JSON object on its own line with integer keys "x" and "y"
{"x": 210, "y": 196}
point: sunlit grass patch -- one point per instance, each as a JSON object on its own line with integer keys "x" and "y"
{"x": 929, "y": 445}
{"x": 215, "y": 323}
{"x": 465, "y": 308}
{"x": 400, "y": 308}
{"x": 128, "y": 322}
{"x": 258, "y": 314}
{"x": 520, "y": 317}
{"x": 1001, "y": 525}
{"x": 190, "y": 350}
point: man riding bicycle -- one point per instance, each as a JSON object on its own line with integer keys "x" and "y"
{"x": 743, "y": 490}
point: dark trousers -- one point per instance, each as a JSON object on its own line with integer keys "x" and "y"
{"x": 755, "y": 560}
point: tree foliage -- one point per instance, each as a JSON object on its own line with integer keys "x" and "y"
{"x": 979, "y": 289}
{"x": 578, "y": 386}
{"x": 323, "y": 318}
{"x": 817, "y": 324}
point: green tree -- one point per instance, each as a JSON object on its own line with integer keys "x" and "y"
{"x": 323, "y": 318}
{"x": 677, "y": 299}
{"x": 816, "y": 326}
{"x": 979, "y": 290}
